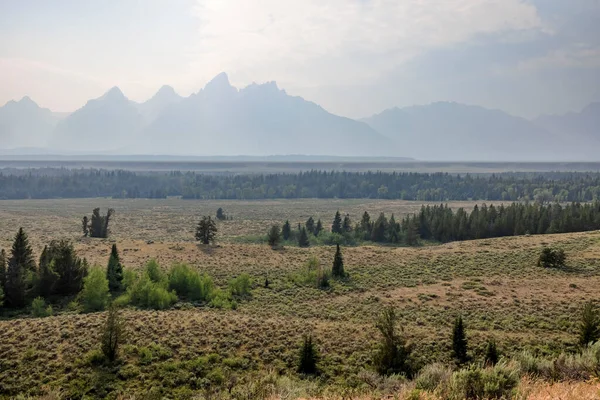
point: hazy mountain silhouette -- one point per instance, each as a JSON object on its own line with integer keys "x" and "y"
{"x": 583, "y": 126}
{"x": 110, "y": 122}
{"x": 25, "y": 124}
{"x": 262, "y": 119}
{"x": 257, "y": 120}
{"x": 452, "y": 131}
{"x": 165, "y": 97}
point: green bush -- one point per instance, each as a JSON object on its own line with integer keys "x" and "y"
{"x": 122, "y": 300}
{"x": 241, "y": 285}
{"x": 498, "y": 382}
{"x": 94, "y": 357}
{"x": 151, "y": 289}
{"x": 190, "y": 284}
{"x": 95, "y": 294}
{"x": 129, "y": 278}
{"x": 313, "y": 275}
{"x": 39, "y": 309}
{"x": 154, "y": 272}
{"x": 466, "y": 384}
{"x": 145, "y": 355}
{"x": 552, "y": 258}
{"x": 533, "y": 366}
{"x": 223, "y": 299}
{"x": 433, "y": 377}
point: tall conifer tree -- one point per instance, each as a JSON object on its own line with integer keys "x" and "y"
{"x": 114, "y": 271}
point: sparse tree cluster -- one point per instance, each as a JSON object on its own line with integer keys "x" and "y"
{"x": 59, "y": 272}
{"x": 97, "y": 226}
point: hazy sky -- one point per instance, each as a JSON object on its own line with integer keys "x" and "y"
{"x": 354, "y": 57}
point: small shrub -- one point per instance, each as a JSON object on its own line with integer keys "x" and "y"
{"x": 500, "y": 381}
{"x": 122, "y": 301}
{"x": 145, "y": 355}
{"x": 432, "y": 377}
{"x": 240, "y": 286}
{"x": 94, "y": 357}
{"x": 552, "y": 258}
{"x": 39, "y": 308}
{"x": 466, "y": 384}
{"x": 222, "y": 299}
{"x": 314, "y": 275}
{"x": 533, "y": 366}
{"x": 74, "y": 306}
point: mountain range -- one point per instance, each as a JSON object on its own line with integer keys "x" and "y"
{"x": 262, "y": 119}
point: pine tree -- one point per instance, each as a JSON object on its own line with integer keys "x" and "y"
{"x": 206, "y": 230}
{"x": 113, "y": 334}
{"x": 2, "y": 269}
{"x": 286, "y": 231}
{"x": 336, "y": 227}
{"x": 69, "y": 269}
{"x": 318, "y": 228}
{"x": 380, "y": 228}
{"x": 274, "y": 236}
{"x": 310, "y": 225}
{"x": 347, "y": 224}
{"x": 412, "y": 233}
{"x": 491, "y": 353}
{"x": 303, "y": 238}
{"x": 338, "y": 264}
{"x": 393, "y": 232}
{"x": 366, "y": 226}
{"x": 459, "y": 341}
{"x": 46, "y": 275}
{"x": 308, "y": 357}
{"x": 589, "y": 330}
{"x": 220, "y": 214}
{"x": 114, "y": 271}
{"x": 20, "y": 272}
{"x": 85, "y": 226}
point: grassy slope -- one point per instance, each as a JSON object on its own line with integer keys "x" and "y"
{"x": 493, "y": 283}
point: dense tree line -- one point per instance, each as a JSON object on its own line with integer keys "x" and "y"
{"x": 442, "y": 224}
{"x": 64, "y": 183}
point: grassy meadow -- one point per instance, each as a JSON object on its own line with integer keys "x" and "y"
{"x": 200, "y": 352}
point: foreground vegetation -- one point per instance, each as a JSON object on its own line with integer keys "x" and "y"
{"x": 192, "y": 348}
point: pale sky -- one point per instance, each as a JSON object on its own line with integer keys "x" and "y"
{"x": 354, "y": 57}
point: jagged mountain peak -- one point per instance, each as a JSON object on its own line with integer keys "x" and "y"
{"x": 114, "y": 94}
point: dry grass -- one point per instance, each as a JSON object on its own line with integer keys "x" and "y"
{"x": 561, "y": 390}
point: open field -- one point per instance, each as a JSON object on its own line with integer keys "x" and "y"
{"x": 494, "y": 284}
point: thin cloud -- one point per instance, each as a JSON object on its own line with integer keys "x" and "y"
{"x": 338, "y": 41}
